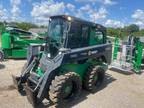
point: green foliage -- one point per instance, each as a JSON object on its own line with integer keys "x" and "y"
{"x": 131, "y": 28}
{"x": 21, "y": 25}
{"x": 26, "y": 26}
{"x": 116, "y": 32}
{"x": 1, "y": 27}
{"x": 140, "y": 33}
{"x": 126, "y": 31}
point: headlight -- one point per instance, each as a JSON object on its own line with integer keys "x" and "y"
{"x": 69, "y": 18}
{"x": 48, "y": 55}
{"x": 60, "y": 53}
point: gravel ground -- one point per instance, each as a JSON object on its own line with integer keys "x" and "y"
{"x": 118, "y": 91}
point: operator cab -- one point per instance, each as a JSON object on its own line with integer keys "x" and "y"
{"x": 67, "y": 33}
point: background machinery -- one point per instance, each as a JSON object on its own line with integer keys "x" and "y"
{"x": 14, "y": 42}
{"x": 128, "y": 55}
{"x": 75, "y": 56}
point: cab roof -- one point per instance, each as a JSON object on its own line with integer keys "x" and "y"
{"x": 82, "y": 21}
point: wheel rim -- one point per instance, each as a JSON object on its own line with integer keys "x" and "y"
{"x": 68, "y": 88}
{"x": 95, "y": 78}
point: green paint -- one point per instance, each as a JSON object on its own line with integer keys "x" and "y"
{"x": 92, "y": 40}
{"x": 5, "y": 41}
{"x": 14, "y": 45}
{"x": 39, "y": 71}
{"x": 80, "y": 68}
{"x": 19, "y": 53}
{"x": 116, "y": 47}
{"x": 138, "y": 57}
{"x": 36, "y": 67}
{"x": 96, "y": 39}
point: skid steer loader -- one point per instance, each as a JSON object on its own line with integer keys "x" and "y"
{"x": 75, "y": 56}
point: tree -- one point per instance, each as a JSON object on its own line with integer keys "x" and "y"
{"x": 114, "y": 32}
{"x": 132, "y": 28}
{"x": 26, "y": 26}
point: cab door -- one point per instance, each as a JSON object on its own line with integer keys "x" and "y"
{"x": 96, "y": 37}
{"x": 84, "y": 35}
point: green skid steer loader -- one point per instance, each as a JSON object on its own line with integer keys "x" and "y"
{"x": 75, "y": 56}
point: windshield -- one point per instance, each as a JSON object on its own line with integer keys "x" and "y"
{"x": 57, "y": 27}
{"x": 56, "y": 34}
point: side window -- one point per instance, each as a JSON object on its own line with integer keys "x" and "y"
{"x": 84, "y": 35}
{"x": 74, "y": 39}
{"x": 96, "y": 37}
{"x": 99, "y": 36}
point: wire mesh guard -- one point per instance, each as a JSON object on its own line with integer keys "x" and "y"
{"x": 127, "y": 56}
{"x": 124, "y": 58}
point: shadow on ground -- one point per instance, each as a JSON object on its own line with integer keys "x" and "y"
{"x": 17, "y": 59}
{"x": 2, "y": 66}
{"x": 108, "y": 79}
{"x": 121, "y": 72}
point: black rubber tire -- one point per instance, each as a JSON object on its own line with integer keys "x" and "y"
{"x": 142, "y": 60}
{"x": 56, "y": 91}
{"x": 1, "y": 55}
{"x": 90, "y": 83}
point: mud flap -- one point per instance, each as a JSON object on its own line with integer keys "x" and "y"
{"x": 32, "y": 96}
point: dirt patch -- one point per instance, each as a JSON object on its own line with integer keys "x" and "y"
{"x": 119, "y": 90}
{"x": 2, "y": 66}
{"x": 7, "y": 88}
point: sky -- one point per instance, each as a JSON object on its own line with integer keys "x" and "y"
{"x": 110, "y": 13}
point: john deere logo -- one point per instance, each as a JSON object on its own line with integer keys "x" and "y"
{"x": 89, "y": 53}
{"x": 92, "y": 52}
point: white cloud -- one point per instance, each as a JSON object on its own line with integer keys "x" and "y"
{"x": 42, "y": 11}
{"x": 109, "y": 2}
{"x": 86, "y": 8}
{"x": 3, "y": 14}
{"x": 114, "y": 23}
{"x": 98, "y": 15}
{"x": 15, "y": 8}
{"x": 105, "y": 2}
{"x": 70, "y": 7}
{"x": 93, "y": 14}
{"x": 138, "y": 17}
